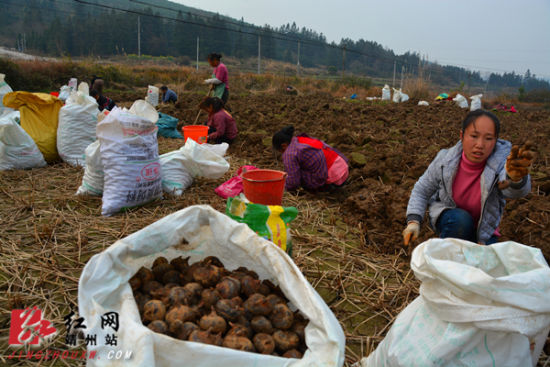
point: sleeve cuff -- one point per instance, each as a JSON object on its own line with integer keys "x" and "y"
{"x": 519, "y": 184}
{"x": 415, "y": 217}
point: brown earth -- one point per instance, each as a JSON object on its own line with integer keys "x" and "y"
{"x": 397, "y": 141}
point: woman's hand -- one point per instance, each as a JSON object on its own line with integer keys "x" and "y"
{"x": 411, "y": 232}
{"x": 519, "y": 162}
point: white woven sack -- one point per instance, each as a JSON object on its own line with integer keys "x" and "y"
{"x": 476, "y": 102}
{"x": 386, "y": 93}
{"x": 198, "y": 231}
{"x": 92, "y": 181}
{"x": 461, "y": 101}
{"x": 129, "y": 152}
{"x": 4, "y": 89}
{"x": 17, "y": 149}
{"x": 77, "y": 127}
{"x": 152, "y": 95}
{"x": 175, "y": 177}
{"x": 478, "y": 306}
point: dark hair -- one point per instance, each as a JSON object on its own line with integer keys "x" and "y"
{"x": 474, "y": 115}
{"x": 216, "y": 103}
{"x": 164, "y": 87}
{"x": 214, "y": 56}
{"x": 94, "y": 93}
{"x": 283, "y": 136}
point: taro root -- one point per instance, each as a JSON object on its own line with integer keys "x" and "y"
{"x": 239, "y": 330}
{"x": 264, "y": 289}
{"x": 179, "y": 263}
{"x": 249, "y": 285}
{"x": 135, "y": 283}
{"x": 159, "y": 260}
{"x": 228, "y": 287}
{"x": 179, "y": 296}
{"x": 247, "y": 271}
{"x": 261, "y": 324}
{"x": 160, "y": 270}
{"x": 182, "y": 330}
{"x": 212, "y": 260}
{"x": 182, "y": 313}
{"x": 188, "y": 275}
{"x": 195, "y": 290}
{"x": 207, "y": 276}
{"x": 264, "y": 343}
{"x": 228, "y": 309}
{"x": 172, "y": 276}
{"x": 274, "y": 299}
{"x": 213, "y": 322}
{"x": 158, "y": 326}
{"x": 209, "y": 297}
{"x": 238, "y": 342}
{"x": 141, "y": 300}
{"x": 154, "y": 310}
{"x": 285, "y": 340}
{"x": 281, "y": 317}
{"x": 299, "y": 327}
{"x": 151, "y": 285}
{"x": 171, "y": 285}
{"x": 201, "y": 336}
{"x": 145, "y": 274}
{"x": 293, "y": 353}
{"x": 162, "y": 294}
{"x": 257, "y": 304}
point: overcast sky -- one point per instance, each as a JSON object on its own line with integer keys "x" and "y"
{"x": 484, "y": 35}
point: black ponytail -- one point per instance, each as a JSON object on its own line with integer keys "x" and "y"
{"x": 283, "y": 136}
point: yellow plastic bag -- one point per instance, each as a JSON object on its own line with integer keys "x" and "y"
{"x": 39, "y": 118}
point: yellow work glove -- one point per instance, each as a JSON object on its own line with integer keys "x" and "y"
{"x": 519, "y": 162}
{"x": 411, "y": 232}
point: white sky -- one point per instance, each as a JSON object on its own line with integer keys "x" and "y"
{"x": 485, "y": 35}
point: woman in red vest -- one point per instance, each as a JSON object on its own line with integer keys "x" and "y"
{"x": 309, "y": 162}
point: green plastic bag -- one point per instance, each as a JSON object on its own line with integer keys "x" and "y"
{"x": 268, "y": 221}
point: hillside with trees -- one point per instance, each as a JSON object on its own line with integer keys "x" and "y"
{"x": 104, "y": 28}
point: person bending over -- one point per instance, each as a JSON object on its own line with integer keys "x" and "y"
{"x": 168, "y": 95}
{"x": 465, "y": 187}
{"x": 310, "y": 162}
{"x": 221, "y": 125}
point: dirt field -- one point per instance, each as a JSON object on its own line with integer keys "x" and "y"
{"x": 348, "y": 243}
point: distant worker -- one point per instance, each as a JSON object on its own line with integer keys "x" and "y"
{"x": 104, "y": 103}
{"x": 310, "y": 162}
{"x": 219, "y": 81}
{"x": 168, "y": 95}
{"x": 221, "y": 125}
{"x": 465, "y": 187}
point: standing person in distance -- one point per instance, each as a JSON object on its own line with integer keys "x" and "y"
{"x": 310, "y": 162}
{"x": 221, "y": 125}
{"x": 465, "y": 187}
{"x": 219, "y": 82}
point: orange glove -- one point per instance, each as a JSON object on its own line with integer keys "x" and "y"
{"x": 519, "y": 161}
{"x": 411, "y": 232}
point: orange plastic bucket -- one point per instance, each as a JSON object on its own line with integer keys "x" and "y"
{"x": 264, "y": 186}
{"x": 198, "y": 133}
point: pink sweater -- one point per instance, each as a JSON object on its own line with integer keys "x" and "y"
{"x": 467, "y": 187}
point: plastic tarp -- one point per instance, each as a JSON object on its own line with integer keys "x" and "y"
{"x": 168, "y": 126}
{"x": 198, "y": 231}
{"x": 17, "y": 149}
{"x": 478, "y": 306}
{"x": 39, "y": 118}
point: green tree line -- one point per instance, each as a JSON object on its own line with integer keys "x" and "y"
{"x": 72, "y": 28}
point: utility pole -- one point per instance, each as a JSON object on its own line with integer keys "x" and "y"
{"x": 343, "y": 61}
{"x": 259, "y": 53}
{"x": 393, "y": 82}
{"x": 139, "y": 37}
{"x": 298, "y": 58}
{"x": 401, "y": 84}
{"x": 197, "y": 53}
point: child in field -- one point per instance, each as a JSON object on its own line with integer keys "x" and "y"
{"x": 221, "y": 125}
{"x": 310, "y": 162}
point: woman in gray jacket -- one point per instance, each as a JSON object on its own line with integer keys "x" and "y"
{"x": 465, "y": 187}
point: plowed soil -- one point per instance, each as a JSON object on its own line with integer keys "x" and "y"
{"x": 397, "y": 142}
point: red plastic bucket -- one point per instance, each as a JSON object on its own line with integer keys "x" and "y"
{"x": 198, "y": 133}
{"x": 264, "y": 186}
